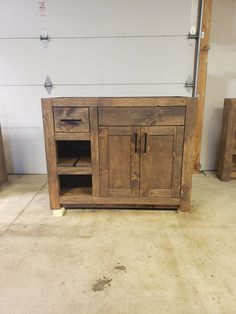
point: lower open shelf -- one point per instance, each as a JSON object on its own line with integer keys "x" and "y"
{"x": 75, "y": 185}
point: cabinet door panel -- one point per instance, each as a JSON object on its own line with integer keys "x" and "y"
{"x": 161, "y": 161}
{"x": 119, "y": 161}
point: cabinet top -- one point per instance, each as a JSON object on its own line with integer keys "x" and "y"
{"x": 119, "y": 101}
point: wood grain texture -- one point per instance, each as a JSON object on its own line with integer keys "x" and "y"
{"x": 228, "y": 141}
{"x": 188, "y": 154}
{"x": 71, "y": 119}
{"x": 51, "y": 155}
{"x": 3, "y": 171}
{"x": 202, "y": 77}
{"x": 94, "y": 150}
{"x": 161, "y": 161}
{"x": 118, "y": 101}
{"x": 139, "y": 116}
{"x": 72, "y": 136}
{"x": 119, "y": 161}
{"x": 76, "y": 198}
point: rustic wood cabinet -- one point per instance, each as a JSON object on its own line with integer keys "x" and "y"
{"x": 227, "y": 150}
{"x": 120, "y": 152}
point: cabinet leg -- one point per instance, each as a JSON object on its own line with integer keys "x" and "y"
{"x": 184, "y": 207}
{"x": 58, "y": 212}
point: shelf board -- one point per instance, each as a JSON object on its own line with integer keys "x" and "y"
{"x": 74, "y": 162}
{"x": 80, "y": 192}
{"x": 233, "y": 175}
{"x": 74, "y": 170}
{"x": 72, "y": 136}
{"x": 74, "y": 165}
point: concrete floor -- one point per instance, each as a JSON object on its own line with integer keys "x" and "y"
{"x": 133, "y": 262}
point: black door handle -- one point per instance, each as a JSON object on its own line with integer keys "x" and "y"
{"x": 135, "y": 142}
{"x": 145, "y": 143}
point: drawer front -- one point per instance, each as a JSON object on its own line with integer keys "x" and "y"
{"x": 134, "y": 116}
{"x": 71, "y": 119}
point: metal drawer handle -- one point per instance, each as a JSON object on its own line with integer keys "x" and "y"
{"x": 71, "y": 120}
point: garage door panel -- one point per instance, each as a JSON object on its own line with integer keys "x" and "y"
{"x": 95, "y": 18}
{"x": 24, "y": 150}
{"x": 97, "y": 61}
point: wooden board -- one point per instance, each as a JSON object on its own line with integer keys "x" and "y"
{"x": 202, "y": 77}
{"x": 3, "y": 171}
{"x": 141, "y": 116}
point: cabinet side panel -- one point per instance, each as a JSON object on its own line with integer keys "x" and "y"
{"x": 227, "y": 134}
{"x": 50, "y": 146}
{"x": 188, "y": 154}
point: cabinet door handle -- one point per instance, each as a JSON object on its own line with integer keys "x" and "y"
{"x": 135, "y": 142}
{"x": 145, "y": 143}
{"x": 71, "y": 120}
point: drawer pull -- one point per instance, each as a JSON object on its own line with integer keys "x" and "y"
{"x": 71, "y": 120}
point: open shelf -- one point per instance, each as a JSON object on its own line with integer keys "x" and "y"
{"x": 80, "y": 185}
{"x": 74, "y": 157}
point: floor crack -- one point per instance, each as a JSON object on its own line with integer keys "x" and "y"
{"x": 23, "y": 210}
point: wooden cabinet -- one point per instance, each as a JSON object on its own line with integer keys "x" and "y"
{"x": 125, "y": 152}
{"x": 227, "y": 151}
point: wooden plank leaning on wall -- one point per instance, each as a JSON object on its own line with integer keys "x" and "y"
{"x": 202, "y": 78}
{"x": 3, "y": 172}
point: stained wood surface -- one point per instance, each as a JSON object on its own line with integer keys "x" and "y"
{"x": 71, "y": 119}
{"x": 227, "y": 149}
{"x": 118, "y": 101}
{"x": 119, "y": 161}
{"x": 161, "y": 161}
{"x": 202, "y": 77}
{"x": 188, "y": 154}
{"x": 72, "y": 136}
{"x": 141, "y": 116}
{"x": 73, "y": 197}
{"x": 94, "y": 150}
{"x": 51, "y": 154}
{"x": 3, "y": 171}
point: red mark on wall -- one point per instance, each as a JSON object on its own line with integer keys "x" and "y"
{"x": 42, "y": 7}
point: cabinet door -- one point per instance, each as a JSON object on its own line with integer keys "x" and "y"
{"x": 119, "y": 161}
{"x": 161, "y": 161}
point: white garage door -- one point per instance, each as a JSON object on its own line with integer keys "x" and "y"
{"x": 96, "y": 48}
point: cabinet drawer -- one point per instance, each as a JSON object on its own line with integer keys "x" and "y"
{"x": 71, "y": 119}
{"x": 141, "y": 116}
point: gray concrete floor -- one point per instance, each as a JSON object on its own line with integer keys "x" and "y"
{"x": 133, "y": 262}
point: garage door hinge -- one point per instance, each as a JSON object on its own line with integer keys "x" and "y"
{"x": 193, "y": 34}
{"x": 44, "y": 38}
{"x": 48, "y": 85}
{"x": 189, "y": 84}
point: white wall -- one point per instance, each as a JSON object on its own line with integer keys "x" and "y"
{"x": 221, "y": 79}
{"x": 96, "y": 48}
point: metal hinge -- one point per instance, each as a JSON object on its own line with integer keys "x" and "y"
{"x": 189, "y": 84}
{"x": 44, "y": 38}
{"x": 48, "y": 85}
